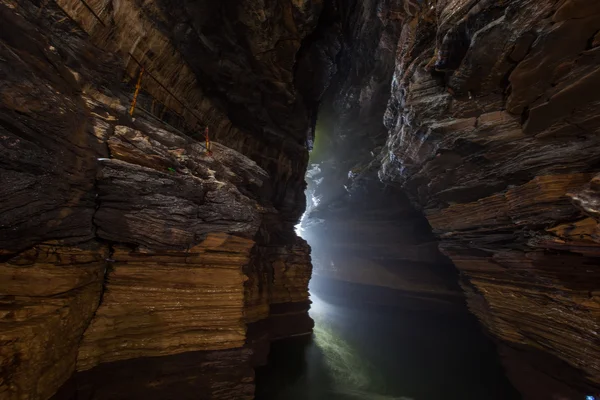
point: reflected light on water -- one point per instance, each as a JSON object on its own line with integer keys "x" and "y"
{"x": 352, "y": 374}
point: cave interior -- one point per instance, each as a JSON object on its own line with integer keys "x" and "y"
{"x": 299, "y": 199}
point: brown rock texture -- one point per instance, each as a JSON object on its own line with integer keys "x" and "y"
{"x": 49, "y": 295}
{"x": 229, "y": 65}
{"x": 159, "y": 304}
{"x": 490, "y": 128}
{"x": 493, "y": 132}
{"x": 125, "y": 244}
{"x": 123, "y": 238}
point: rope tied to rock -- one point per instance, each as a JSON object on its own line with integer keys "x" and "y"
{"x": 169, "y": 94}
{"x": 138, "y": 86}
{"x": 208, "y": 145}
{"x": 139, "y": 83}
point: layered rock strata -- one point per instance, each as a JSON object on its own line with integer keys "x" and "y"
{"x": 109, "y": 225}
{"x": 123, "y": 238}
{"x": 493, "y": 126}
{"x": 228, "y": 65}
{"x": 361, "y": 231}
{"x": 491, "y": 130}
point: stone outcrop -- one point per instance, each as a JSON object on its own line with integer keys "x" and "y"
{"x": 123, "y": 238}
{"x": 226, "y": 65}
{"x": 493, "y": 126}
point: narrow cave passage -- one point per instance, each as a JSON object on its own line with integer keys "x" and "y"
{"x": 177, "y": 176}
{"x": 390, "y": 321}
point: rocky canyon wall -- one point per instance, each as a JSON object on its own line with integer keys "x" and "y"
{"x": 485, "y": 114}
{"x": 493, "y": 132}
{"x": 361, "y": 231}
{"x": 123, "y": 238}
{"x": 123, "y": 242}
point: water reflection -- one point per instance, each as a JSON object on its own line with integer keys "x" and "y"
{"x": 378, "y": 353}
{"x": 357, "y": 351}
{"x": 352, "y": 373}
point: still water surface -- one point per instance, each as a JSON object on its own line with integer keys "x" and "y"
{"x": 378, "y": 353}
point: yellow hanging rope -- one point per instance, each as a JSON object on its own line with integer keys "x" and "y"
{"x": 138, "y": 86}
{"x": 207, "y": 141}
{"x": 137, "y": 91}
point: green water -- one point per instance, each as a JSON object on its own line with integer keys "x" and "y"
{"x": 376, "y": 353}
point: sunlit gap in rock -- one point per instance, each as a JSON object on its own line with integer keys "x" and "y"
{"x": 351, "y": 375}
{"x": 389, "y": 319}
{"x": 153, "y": 158}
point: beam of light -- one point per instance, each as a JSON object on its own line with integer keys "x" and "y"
{"x": 346, "y": 367}
{"x": 298, "y": 227}
{"x": 352, "y": 374}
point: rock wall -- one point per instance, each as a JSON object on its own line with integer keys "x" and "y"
{"x": 484, "y": 113}
{"x": 493, "y": 129}
{"x": 375, "y": 237}
{"x": 123, "y": 238}
{"x": 361, "y": 231}
{"x": 228, "y": 65}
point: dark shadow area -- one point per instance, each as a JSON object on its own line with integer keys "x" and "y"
{"x": 195, "y": 375}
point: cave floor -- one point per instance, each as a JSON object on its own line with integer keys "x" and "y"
{"x": 382, "y": 352}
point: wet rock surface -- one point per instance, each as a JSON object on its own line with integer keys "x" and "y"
{"x": 362, "y": 231}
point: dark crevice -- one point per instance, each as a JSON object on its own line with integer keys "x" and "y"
{"x": 524, "y": 116}
{"x": 590, "y": 41}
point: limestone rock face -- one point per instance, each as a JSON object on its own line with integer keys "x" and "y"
{"x": 123, "y": 238}
{"x": 49, "y": 295}
{"x": 163, "y": 303}
{"x": 493, "y": 132}
{"x": 484, "y": 113}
